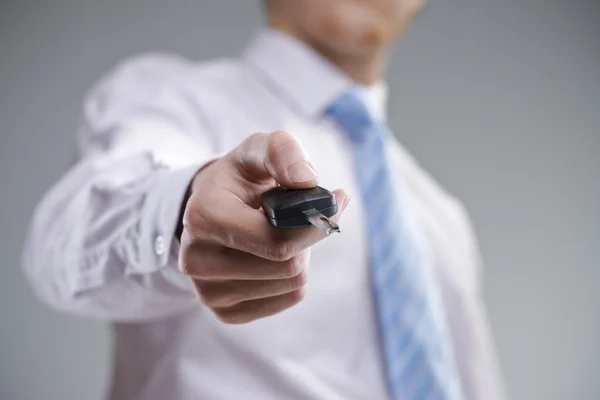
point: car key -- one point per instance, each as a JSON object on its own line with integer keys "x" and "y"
{"x": 295, "y": 208}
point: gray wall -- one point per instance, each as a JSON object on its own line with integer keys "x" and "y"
{"x": 500, "y": 100}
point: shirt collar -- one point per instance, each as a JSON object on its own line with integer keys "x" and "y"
{"x": 303, "y": 77}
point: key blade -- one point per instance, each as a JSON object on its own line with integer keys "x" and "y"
{"x": 320, "y": 221}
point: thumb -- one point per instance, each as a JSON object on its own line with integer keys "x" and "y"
{"x": 277, "y": 155}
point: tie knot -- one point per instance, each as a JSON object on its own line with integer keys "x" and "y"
{"x": 350, "y": 111}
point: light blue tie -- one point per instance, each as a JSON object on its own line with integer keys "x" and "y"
{"x": 415, "y": 340}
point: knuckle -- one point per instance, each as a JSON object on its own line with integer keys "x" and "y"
{"x": 277, "y": 140}
{"x": 281, "y": 251}
{"x": 299, "y": 280}
{"x": 292, "y": 267}
{"x": 205, "y": 223}
{"x": 186, "y": 264}
{"x": 298, "y": 295}
{"x": 279, "y": 137}
{"x": 194, "y": 218}
{"x": 247, "y": 147}
{"x": 186, "y": 267}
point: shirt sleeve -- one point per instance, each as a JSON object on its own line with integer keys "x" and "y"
{"x": 101, "y": 241}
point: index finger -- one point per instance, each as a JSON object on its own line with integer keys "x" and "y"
{"x": 247, "y": 229}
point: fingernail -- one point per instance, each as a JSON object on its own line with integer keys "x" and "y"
{"x": 301, "y": 172}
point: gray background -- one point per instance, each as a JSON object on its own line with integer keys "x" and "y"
{"x": 500, "y": 100}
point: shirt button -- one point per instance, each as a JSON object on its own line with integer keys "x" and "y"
{"x": 159, "y": 245}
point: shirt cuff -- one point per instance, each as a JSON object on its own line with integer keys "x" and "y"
{"x": 159, "y": 217}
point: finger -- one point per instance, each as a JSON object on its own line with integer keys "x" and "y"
{"x": 218, "y": 294}
{"x": 254, "y": 309}
{"x": 278, "y": 155}
{"x": 210, "y": 262}
{"x": 243, "y": 228}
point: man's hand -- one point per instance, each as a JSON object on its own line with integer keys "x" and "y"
{"x": 244, "y": 268}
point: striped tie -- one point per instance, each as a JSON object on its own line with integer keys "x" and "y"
{"x": 414, "y": 336}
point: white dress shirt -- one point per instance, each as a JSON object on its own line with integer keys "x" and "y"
{"x": 101, "y": 241}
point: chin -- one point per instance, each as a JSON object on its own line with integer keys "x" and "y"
{"x": 346, "y": 32}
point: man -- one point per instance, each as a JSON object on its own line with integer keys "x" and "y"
{"x": 158, "y": 228}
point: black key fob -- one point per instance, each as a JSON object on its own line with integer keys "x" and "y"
{"x": 294, "y": 208}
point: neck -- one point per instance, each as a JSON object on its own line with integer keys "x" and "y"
{"x": 365, "y": 69}
{"x": 362, "y": 70}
